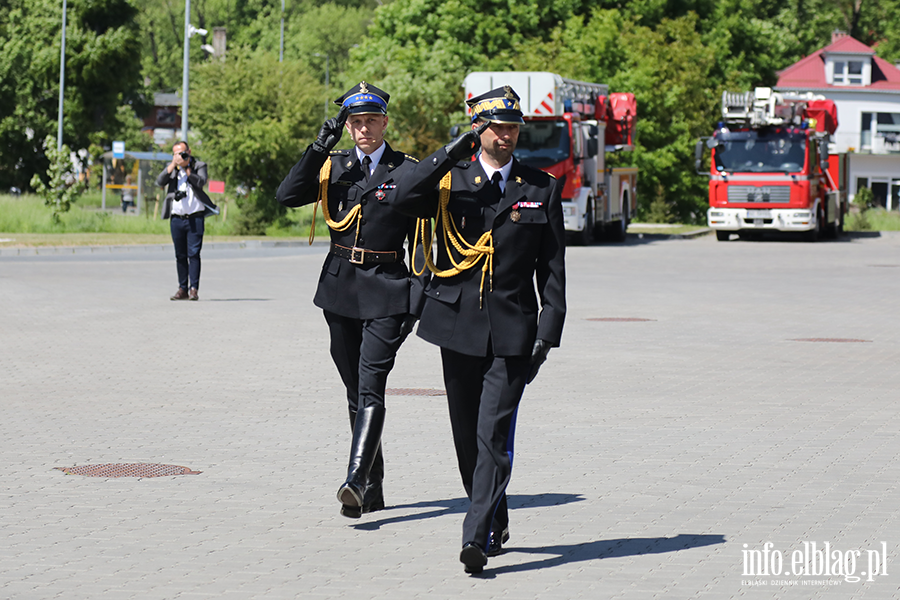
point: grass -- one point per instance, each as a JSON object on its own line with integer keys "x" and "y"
{"x": 663, "y": 228}
{"x": 27, "y": 222}
{"x": 874, "y": 219}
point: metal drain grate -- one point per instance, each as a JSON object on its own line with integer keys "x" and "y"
{"x": 127, "y": 470}
{"x": 840, "y": 340}
{"x": 414, "y": 392}
{"x": 619, "y": 319}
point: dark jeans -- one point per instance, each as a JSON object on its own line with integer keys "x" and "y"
{"x": 187, "y": 235}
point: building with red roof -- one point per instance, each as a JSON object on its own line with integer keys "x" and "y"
{"x": 866, "y": 91}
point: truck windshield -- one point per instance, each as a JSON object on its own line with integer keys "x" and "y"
{"x": 543, "y": 143}
{"x": 763, "y": 151}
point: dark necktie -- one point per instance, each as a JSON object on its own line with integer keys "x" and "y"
{"x": 366, "y": 161}
{"x": 495, "y": 183}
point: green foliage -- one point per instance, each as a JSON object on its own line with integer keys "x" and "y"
{"x": 255, "y": 117}
{"x": 420, "y": 51}
{"x": 102, "y": 70}
{"x": 62, "y": 187}
{"x": 864, "y": 199}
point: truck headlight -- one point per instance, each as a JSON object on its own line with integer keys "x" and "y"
{"x": 569, "y": 210}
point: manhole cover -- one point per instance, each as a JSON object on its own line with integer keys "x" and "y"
{"x": 127, "y": 470}
{"x": 850, "y": 340}
{"x": 414, "y": 392}
{"x": 619, "y": 319}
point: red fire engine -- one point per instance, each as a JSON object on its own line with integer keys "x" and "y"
{"x": 770, "y": 169}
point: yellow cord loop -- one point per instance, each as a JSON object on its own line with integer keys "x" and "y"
{"x": 345, "y": 223}
{"x": 471, "y": 253}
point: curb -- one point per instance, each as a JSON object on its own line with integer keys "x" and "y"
{"x": 147, "y": 248}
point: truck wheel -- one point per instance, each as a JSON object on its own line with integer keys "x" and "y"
{"x": 818, "y": 232}
{"x": 585, "y": 237}
{"x": 618, "y": 229}
{"x": 723, "y": 236}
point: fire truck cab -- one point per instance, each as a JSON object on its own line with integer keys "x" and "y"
{"x": 570, "y": 126}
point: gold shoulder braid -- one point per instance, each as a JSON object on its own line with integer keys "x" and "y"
{"x": 354, "y": 214}
{"x": 472, "y": 254}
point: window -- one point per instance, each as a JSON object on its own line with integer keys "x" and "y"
{"x": 847, "y": 72}
{"x": 880, "y": 132}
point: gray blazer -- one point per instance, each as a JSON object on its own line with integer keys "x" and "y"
{"x": 197, "y": 179}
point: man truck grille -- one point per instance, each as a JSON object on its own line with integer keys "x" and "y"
{"x": 750, "y": 193}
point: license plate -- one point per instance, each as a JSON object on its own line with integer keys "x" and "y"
{"x": 758, "y": 222}
{"x": 759, "y": 214}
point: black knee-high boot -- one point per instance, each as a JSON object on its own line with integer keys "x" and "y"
{"x": 366, "y": 442}
{"x": 373, "y": 498}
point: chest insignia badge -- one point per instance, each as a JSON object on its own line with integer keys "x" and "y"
{"x": 463, "y": 223}
{"x": 478, "y": 179}
{"x": 515, "y": 215}
{"x": 379, "y": 195}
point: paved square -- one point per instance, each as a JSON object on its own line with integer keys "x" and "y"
{"x": 703, "y": 452}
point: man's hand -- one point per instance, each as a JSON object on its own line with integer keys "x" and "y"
{"x": 467, "y": 144}
{"x": 538, "y": 356}
{"x": 406, "y": 328}
{"x": 331, "y": 131}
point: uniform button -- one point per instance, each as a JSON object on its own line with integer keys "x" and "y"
{"x": 434, "y": 160}
{"x": 363, "y": 201}
{"x": 362, "y": 221}
{"x": 437, "y": 293}
{"x": 361, "y": 241}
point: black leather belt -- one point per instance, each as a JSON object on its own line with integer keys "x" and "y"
{"x": 196, "y": 214}
{"x": 362, "y": 256}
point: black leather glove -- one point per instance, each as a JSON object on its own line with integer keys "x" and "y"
{"x": 406, "y": 328}
{"x": 538, "y": 356}
{"x": 331, "y": 131}
{"x": 467, "y": 144}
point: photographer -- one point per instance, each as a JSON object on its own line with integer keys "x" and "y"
{"x": 186, "y": 205}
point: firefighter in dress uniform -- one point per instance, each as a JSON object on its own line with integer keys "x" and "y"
{"x": 369, "y": 298}
{"x": 499, "y": 229}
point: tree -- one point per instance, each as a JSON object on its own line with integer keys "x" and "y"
{"x": 254, "y": 117}
{"x": 102, "y": 71}
{"x": 419, "y": 51}
{"x": 62, "y": 187}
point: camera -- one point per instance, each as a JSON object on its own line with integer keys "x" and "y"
{"x": 185, "y": 155}
{"x": 180, "y": 195}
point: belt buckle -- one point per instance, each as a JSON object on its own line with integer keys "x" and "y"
{"x": 357, "y": 255}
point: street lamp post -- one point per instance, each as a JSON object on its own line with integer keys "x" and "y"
{"x": 189, "y": 30}
{"x": 62, "y": 80}
{"x": 185, "y": 81}
{"x": 281, "y": 45}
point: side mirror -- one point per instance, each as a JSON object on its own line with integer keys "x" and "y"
{"x": 592, "y": 146}
{"x": 698, "y": 156}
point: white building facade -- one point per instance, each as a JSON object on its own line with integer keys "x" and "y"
{"x": 866, "y": 91}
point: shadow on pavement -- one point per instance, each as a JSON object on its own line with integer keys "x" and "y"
{"x": 572, "y": 553}
{"x": 461, "y": 505}
{"x": 239, "y": 300}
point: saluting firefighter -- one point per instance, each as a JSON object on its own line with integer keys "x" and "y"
{"x": 369, "y": 298}
{"x": 499, "y": 229}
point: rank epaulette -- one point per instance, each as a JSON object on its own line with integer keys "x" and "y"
{"x": 411, "y": 157}
{"x": 340, "y": 152}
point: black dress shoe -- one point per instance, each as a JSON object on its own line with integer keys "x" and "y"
{"x": 495, "y": 544}
{"x": 473, "y": 557}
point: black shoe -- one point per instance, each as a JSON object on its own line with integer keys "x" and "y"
{"x": 473, "y": 557}
{"x": 495, "y": 543}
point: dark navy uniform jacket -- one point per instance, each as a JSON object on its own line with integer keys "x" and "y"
{"x": 366, "y": 291}
{"x": 527, "y": 251}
